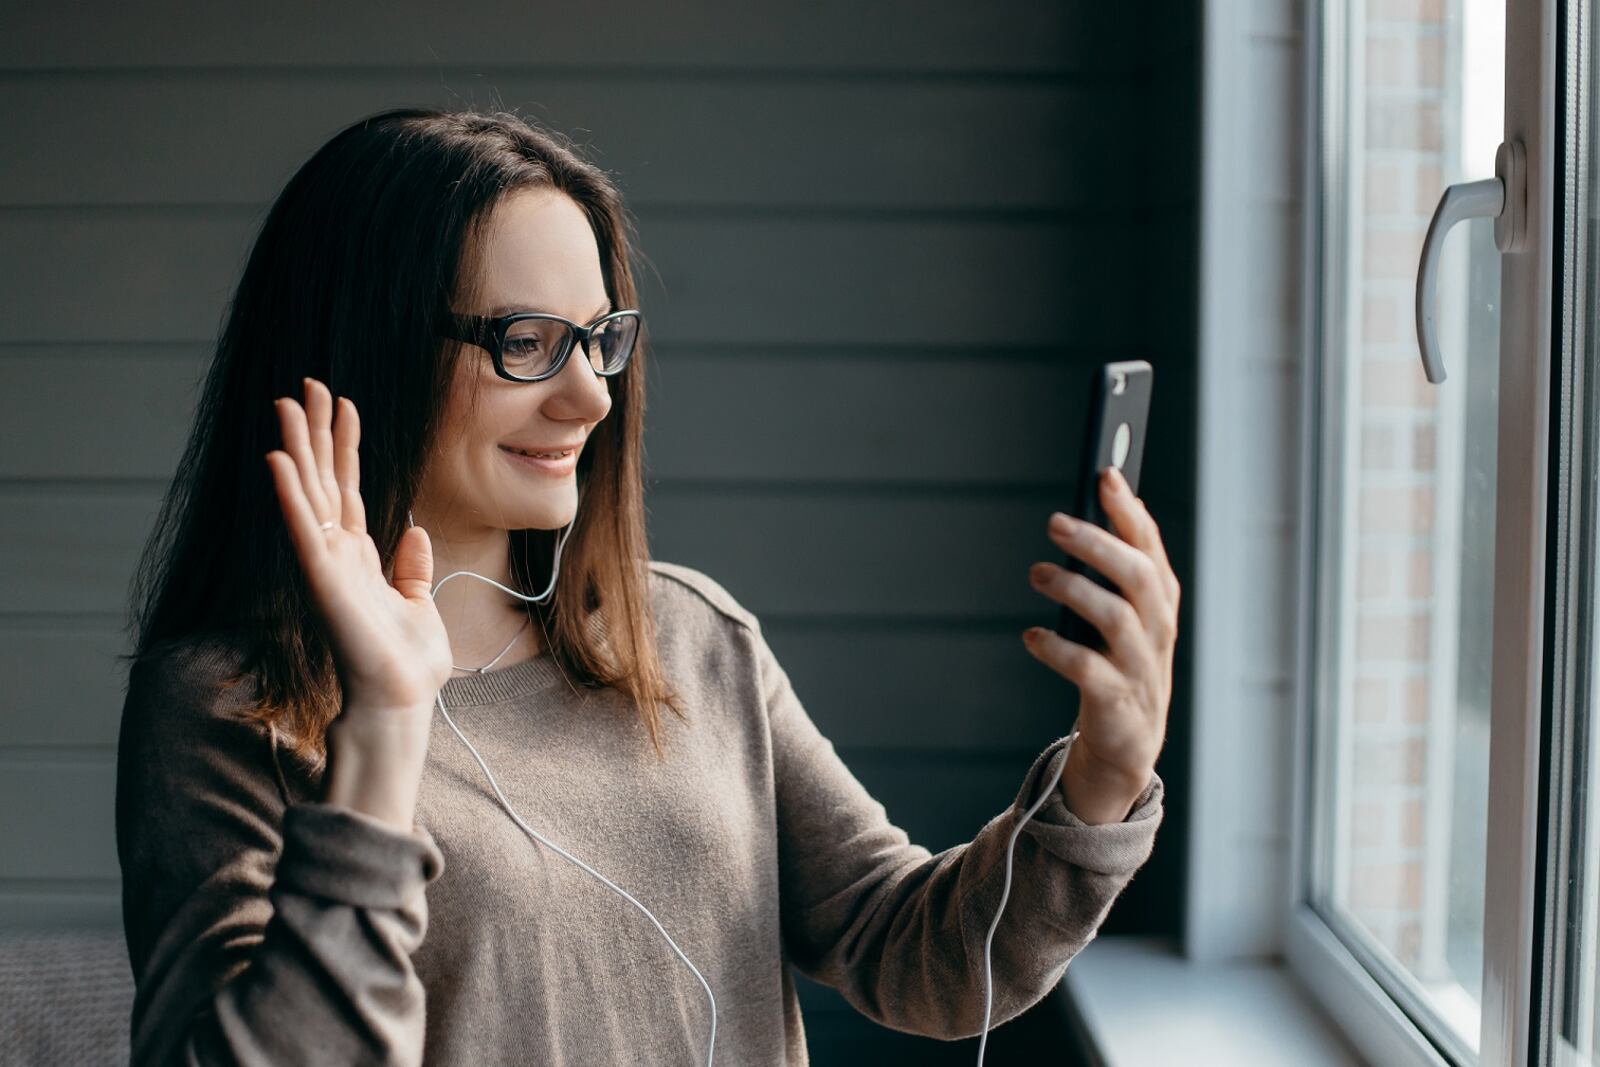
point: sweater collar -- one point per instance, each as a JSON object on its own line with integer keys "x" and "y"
{"x": 508, "y": 683}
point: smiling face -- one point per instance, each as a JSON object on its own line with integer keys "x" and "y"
{"x": 541, "y": 256}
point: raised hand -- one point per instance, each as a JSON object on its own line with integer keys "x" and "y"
{"x": 1122, "y": 714}
{"x": 390, "y": 646}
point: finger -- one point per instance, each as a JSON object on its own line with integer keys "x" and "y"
{"x": 1133, "y": 572}
{"x": 347, "y": 466}
{"x": 413, "y": 565}
{"x": 305, "y": 533}
{"x": 319, "y": 410}
{"x": 1135, "y": 525}
{"x": 1092, "y": 672}
{"x": 297, "y": 443}
{"x": 1127, "y": 641}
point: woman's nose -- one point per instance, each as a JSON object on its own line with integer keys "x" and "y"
{"x": 579, "y": 377}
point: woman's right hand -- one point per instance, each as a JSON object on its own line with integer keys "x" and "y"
{"x": 390, "y": 646}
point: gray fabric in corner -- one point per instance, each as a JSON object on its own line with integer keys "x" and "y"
{"x": 64, "y": 999}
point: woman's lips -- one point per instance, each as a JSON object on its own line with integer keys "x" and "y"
{"x": 544, "y": 466}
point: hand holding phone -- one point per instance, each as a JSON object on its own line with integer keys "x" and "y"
{"x": 1124, "y": 689}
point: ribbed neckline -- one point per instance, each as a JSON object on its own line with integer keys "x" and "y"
{"x": 531, "y": 675}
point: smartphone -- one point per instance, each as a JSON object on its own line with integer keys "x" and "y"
{"x": 1119, "y": 408}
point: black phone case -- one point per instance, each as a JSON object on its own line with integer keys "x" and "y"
{"x": 1109, "y": 409}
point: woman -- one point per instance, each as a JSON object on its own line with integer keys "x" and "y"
{"x": 316, "y": 869}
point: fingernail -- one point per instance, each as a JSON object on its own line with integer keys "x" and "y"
{"x": 1060, "y": 522}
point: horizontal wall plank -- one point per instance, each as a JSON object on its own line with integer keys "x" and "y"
{"x": 166, "y": 275}
{"x": 82, "y": 556}
{"x": 829, "y": 555}
{"x": 64, "y": 684}
{"x": 861, "y": 418}
{"x": 878, "y": 553}
{"x": 75, "y": 906}
{"x": 235, "y": 137}
{"x": 60, "y": 816}
{"x": 1011, "y": 36}
{"x": 991, "y": 695}
{"x": 852, "y": 417}
{"x": 131, "y": 409}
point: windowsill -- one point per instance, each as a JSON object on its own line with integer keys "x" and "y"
{"x": 1136, "y": 1001}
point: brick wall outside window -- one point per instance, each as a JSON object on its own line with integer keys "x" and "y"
{"x": 1404, "y": 115}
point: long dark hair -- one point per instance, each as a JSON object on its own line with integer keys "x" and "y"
{"x": 360, "y": 256}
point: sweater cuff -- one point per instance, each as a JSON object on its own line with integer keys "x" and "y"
{"x": 348, "y": 856}
{"x": 1107, "y": 848}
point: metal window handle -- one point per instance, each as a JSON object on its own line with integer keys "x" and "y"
{"x": 1500, "y": 198}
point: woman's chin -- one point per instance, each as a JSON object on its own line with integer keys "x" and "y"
{"x": 554, "y": 517}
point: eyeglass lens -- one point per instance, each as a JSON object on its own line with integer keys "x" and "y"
{"x": 532, "y": 346}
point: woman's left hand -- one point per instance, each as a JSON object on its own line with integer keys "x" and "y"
{"x": 1122, "y": 715}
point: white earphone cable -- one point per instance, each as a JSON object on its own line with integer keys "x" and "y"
{"x": 1005, "y": 891}
{"x": 555, "y": 570}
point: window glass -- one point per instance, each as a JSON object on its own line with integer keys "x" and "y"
{"x": 1406, "y": 525}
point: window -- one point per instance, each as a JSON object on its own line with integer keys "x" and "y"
{"x": 1449, "y": 908}
{"x": 1406, "y": 532}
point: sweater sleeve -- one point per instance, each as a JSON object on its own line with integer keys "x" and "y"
{"x": 898, "y": 931}
{"x": 260, "y": 931}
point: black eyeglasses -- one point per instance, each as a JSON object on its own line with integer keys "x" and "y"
{"x": 530, "y": 346}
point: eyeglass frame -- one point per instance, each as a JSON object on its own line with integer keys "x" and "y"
{"x": 489, "y": 333}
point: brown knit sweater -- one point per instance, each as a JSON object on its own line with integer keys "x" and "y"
{"x": 265, "y": 927}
